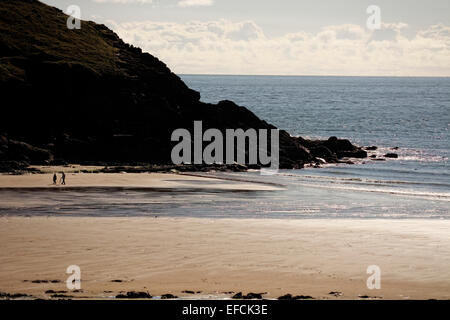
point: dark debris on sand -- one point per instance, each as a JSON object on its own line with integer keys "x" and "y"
{"x": 5, "y": 295}
{"x": 53, "y": 291}
{"x": 43, "y": 281}
{"x": 291, "y": 297}
{"x": 250, "y": 295}
{"x": 60, "y": 295}
{"x": 336, "y": 293}
{"x": 134, "y": 295}
{"x": 168, "y": 296}
{"x": 369, "y": 297}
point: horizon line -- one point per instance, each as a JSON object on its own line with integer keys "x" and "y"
{"x": 303, "y": 75}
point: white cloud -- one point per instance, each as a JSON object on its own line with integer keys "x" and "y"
{"x": 229, "y": 47}
{"x": 195, "y": 3}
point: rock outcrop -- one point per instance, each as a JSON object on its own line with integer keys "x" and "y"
{"x": 85, "y": 96}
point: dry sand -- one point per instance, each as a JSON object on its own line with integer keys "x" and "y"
{"x": 129, "y": 180}
{"x": 170, "y": 255}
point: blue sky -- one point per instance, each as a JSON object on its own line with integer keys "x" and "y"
{"x": 284, "y": 36}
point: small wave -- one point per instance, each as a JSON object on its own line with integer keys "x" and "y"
{"x": 364, "y": 170}
{"x": 411, "y": 154}
{"x": 377, "y": 181}
{"x": 413, "y": 193}
{"x": 424, "y": 158}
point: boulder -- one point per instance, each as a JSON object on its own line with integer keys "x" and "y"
{"x": 323, "y": 153}
{"x": 339, "y": 145}
{"x": 356, "y": 153}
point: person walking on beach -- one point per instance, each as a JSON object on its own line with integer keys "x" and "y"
{"x": 63, "y": 178}
{"x": 54, "y": 178}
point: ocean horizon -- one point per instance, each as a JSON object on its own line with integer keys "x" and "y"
{"x": 303, "y": 75}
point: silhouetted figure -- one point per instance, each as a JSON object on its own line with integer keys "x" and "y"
{"x": 63, "y": 178}
{"x": 54, "y": 178}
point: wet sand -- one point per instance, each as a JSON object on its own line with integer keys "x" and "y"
{"x": 170, "y": 255}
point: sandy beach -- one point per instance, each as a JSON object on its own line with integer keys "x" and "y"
{"x": 217, "y": 257}
{"x": 77, "y": 179}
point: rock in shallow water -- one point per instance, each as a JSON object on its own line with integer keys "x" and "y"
{"x": 391, "y": 155}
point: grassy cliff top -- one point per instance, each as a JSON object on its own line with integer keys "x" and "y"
{"x": 33, "y": 29}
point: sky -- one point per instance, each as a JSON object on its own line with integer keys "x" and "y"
{"x": 283, "y": 37}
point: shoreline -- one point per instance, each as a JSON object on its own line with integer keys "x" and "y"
{"x": 170, "y": 255}
{"x": 212, "y": 258}
{"x": 78, "y": 178}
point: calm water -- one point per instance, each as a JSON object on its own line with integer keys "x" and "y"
{"x": 412, "y": 114}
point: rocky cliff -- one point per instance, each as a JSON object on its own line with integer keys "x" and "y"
{"x": 83, "y": 95}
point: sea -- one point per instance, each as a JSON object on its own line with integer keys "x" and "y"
{"x": 407, "y": 116}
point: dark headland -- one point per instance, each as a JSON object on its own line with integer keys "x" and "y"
{"x": 85, "y": 96}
